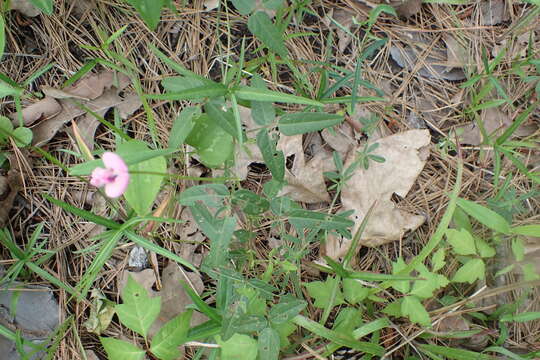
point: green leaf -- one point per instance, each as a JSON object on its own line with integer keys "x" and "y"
{"x": 244, "y": 7}
{"x": 284, "y": 330}
{"x": 484, "y": 249}
{"x": 518, "y": 249}
{"x": 223, "y": 119}
{"x": 256, "y": 94}
{"x": 143, "y": 188}
{"x": 239, "y": 346}
{"x": 354, "y": 291}
{"x": 138, "y": 311}
{"x": 437, "y": 260}
{"x": 263, "y": 113}
{"x": 171, "y": 335}
{"x": 212, "y": 195}
{"x": 401, "y": 286}
{"x": 2, "y": 36}
{"x": 338, "y": 338}
{"x": 269, "y": 344}
{"x": 22, "y": 136}
{"x": 264, "y": 29}
{"x": 286, "y": 309}
{"x": 527, "y": 230}
{"x": 301, "y": 123}
{"x": 121, "y": 350}
{"x": 523, "y": 317}
{"x": 462, "y": 241}
{"x": 274, "y": 159}
{"x": 177, "y": 84}
{"x": 485, "y": 216}
{"x": 6, "y": 128}
{"x": 347, "y": 320}
{"x": 425, "y": 288}
{"x": 251, "y": 203}
{"x": 455, "y": 354}
{"x": 412, "y": 308}
{"x": 182, "y": 126}
{"x": 197, "y": 93}
{"x": 321, "y": 292}
{"x": 472, "y": 270}
{"x": 150, "y": 11}
{"x": 306, "y": 219}
{"x": 46, "y": 6}
{"x": 7, "y": 90}
{"x": 214, "y": 145}
{"x": 393, "y": 309}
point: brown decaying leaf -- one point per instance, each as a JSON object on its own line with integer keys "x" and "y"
{"x": 43, "y": 109}
{"x": 405, "y": 8}
{"x": 101, "y": 95}
{"x": 339, "y": 138}
{"x": 305, "y": 181}
{"x": 25, "y": 7}
{"x": 495, "y": 122}
{"x": 493, "y": 12}
{"x": 10, "y": 186}
{"x": 403, "y": 163}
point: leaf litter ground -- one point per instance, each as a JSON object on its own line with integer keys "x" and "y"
{"x": 416, "y": 71}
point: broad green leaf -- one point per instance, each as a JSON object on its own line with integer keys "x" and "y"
{"x": 321, "y": 292}
{"x": 223, "y": 119}
{"x": 412, "y": 308}
{"x": 301, "y": 123}
{"x": 347, "y": 320}
{"x": 6, "y": 128}
{"x": 306, "y": 219}
{"x": 286, "y": 309}
{"x": 263, "y": 113}
{"x": 46, "y": 6}
{"x": 401, "y": 286}
{"x": 264, "y": 29}
{"x": 471, "y": 271}
{"x": 354, "y": 291}
{"x": 518, "y": 249}
{"x": 212, "y": 195}
{"x": 7, "y": 90}
{"x": 269, "y": 344}
{"x": 485, "y": 216}
{"x": 239, "y": 346}
{"x": 256, "y": 94}
{"x": 393, "y": 309}
{"x": 484, "y": 249}
{"x": 181, "y": 83}
{"x": 182, "y": 126}
{"x": 462, "y": 241}
{"x": 143, "y": 187}
{"x": 213, "y": 144}
{"x": 273, "y": 158}
{"x": 171, "y": 335}
{"x": 150, "y": 11}
{"x": 284, "y": 330}
{"x": 130, "y": 158}
{"x": 138, "y": 311}
{"x": 244, "y": 7}
{"x": 121, "y": 350}
{"x": 338, "y": 338}
{"x": 425, "y": 288}
{"x": 251, "y": 203}
{"x": 527, "y": 230}
{"x": 523, "y": 317}
{"x": 437, "y": 260}
{"x": 22, "y": 136}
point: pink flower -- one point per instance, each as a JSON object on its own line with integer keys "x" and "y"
{"x": 115, "y": 176}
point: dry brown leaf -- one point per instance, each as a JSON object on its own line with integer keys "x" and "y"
{"x": 103, "y": 94}
{"x": 495, "y": 122}
{"x": 344, "y": 17}
{"x": 43, "y": 109}
{"x": 456, "y": 53}
{"x": 305, "y": 181}
{"x": 290, "y": 145}
{"x": 407, "y": 8}
{"x": 403, "y": 163}
{"x": 90, "y": 86}
{"x": 25, "y": 7}
{"x": 339, "y": 138}
{"x": 493, "y": 12}
{"x": 10, "y": 186}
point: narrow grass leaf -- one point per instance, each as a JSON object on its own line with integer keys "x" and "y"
{"x": 200, "y": 92}
{"x": 527, "y": 230}
{"x": 516, "y": 123}
{"x": 256, "y": 94}
{"x": 523, "y": 317}
{"x": 485, "y": 216}
{"x": 336, "y": 337}
{"x": 455, "y": 354}
{"x": 301, "y": 123}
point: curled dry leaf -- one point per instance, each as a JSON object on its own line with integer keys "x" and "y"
{"x": 101, "y": 90}
{"x": 43, "y": 109}
{"x": 305, "y": 181}
{"x": 404, "y": 161}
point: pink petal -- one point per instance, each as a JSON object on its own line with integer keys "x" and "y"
{"x": 118, "y": 186}
{"x": 114, "y": 162}
{"x": 99, "y": 177}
